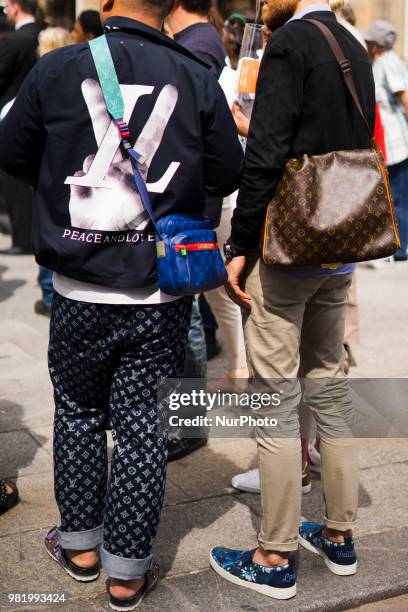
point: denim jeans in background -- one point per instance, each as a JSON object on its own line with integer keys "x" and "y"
{"x": 196, "y": 355}
{"x": 45, "y": 282}
{"x": 399, "y": 187}
{"x": 209, "y": 321}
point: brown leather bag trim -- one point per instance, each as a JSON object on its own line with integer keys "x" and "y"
{"x": 264, "y": 236}
{"x": 380, "y": 161}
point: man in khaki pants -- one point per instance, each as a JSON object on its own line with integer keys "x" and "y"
{"x": 294, "y": 319}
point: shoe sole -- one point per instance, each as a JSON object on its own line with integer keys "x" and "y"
{"x": 335, "y": 568}
{"x": 273, "y": 592}
{"x": 74, "y": 576}
{"x": 245, "y": 489}
{"x": 135, "y": 605}
{"x": 126, "y": 608}
{"x": 305, "y": 489}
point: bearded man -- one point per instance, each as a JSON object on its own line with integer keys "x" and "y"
{"x": 294, "y": 318}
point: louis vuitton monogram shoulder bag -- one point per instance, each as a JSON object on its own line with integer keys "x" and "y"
{"x": 335, "y": 208}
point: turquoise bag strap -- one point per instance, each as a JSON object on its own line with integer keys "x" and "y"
{"x": 109, "y": 83}
{"x": 107, "y": 77}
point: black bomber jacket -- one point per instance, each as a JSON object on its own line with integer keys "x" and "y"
{"x": 88, "y": 220}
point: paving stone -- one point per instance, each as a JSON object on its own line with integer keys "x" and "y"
{"x": 28, "y": 338}
{"x": 174, "y": 495}
{"x": 383, "y": 498}
{"x": 209, "y": 471}
{"x": 188, "y": 531}
{"x": 21, "y": 454}
{"x": 44, "y": 436}
{"x": 394, "y": 604}
{"x": 382, "y": 452}
{"x": 31, "y": 405}
{"x": 37, "y": 508}
{"x": 381, "y": 353}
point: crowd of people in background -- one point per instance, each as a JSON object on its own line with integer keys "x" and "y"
{"x": 25, "y": 37}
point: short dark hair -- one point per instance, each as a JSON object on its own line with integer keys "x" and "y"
{"x": 160, "y": 8}
{"x": 27, "y": 6}
{"x": 198, "y": 7}
{"x": 91, "y": 23}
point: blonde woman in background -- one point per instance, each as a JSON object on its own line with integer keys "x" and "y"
{"x": 53, "y": 38}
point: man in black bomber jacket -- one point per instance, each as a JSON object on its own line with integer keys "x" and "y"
{"x": 114, "y": 334}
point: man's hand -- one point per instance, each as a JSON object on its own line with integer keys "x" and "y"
{"x": 241, "y": 120}
{"x": 235, "y": 268}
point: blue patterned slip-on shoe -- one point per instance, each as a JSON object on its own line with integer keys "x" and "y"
{"x": 237, "y": 567}
{"x": 53, "y": 547}
{"x": 131, "y": 603}
{"x": 341, "y": 559}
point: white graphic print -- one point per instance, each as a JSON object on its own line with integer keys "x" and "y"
{"x": 103, "y": 193}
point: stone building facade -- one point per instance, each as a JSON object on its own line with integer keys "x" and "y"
{"x": 395, "y": 11}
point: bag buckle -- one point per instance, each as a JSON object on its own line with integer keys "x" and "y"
{"x": 124, "y": 133}
{"x": 345, "y": 66}
{"x": 123, "y": 128}
{"x": 161, "y": 248}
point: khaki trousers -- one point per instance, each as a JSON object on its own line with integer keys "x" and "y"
{"x": 352, "y": 329}
{"x": 297, "y": 324}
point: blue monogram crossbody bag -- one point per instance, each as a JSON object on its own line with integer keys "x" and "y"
{"x": 189, "y": 260}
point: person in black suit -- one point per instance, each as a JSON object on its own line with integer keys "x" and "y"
{"x": 18, "y": 54}
{"x": 4, "y": 24}
{"x": 18, "y": 49}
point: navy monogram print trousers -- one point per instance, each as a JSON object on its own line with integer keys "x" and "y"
{"x": 105, "y": 362}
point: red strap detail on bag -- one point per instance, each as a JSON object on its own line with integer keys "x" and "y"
{"x": 123, "y": 129}
{"x": 196, "y": 246}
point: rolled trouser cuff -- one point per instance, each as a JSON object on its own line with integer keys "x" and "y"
{"x": 340, "y": 526}
{"x": 81, "y": 540}
{"x": 124, "y": 568}
{"x": 278, "y": 546}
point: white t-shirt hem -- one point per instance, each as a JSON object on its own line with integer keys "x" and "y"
{"x": 97, "y": 294}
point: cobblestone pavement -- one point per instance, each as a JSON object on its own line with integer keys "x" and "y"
{"x": 201, "y": 509}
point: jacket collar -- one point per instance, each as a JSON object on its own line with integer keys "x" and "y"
{"x": 23, "y": 23}
{"x": 131, "y": 26}
{"x": 322, "y": 15}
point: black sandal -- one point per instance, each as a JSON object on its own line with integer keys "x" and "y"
{"x": 8, "y": 500}
{"x": 131, "y": 603}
